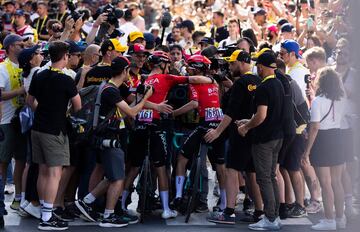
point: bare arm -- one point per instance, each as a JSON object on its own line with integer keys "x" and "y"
{"x": 213, "y": 134}
{"x": 313, "y": 131}
{"x": 76, "y": 103}
{"x": 162, "y": 107}
{"x": 255, "y": 121}
{"x": 200, "y": 80}
{"x": 8, "y": 95}
{"x": 69, "y": 23}
{"x": 92, "y": 34}
{"x": 30, "y": 100}
{"x": 186, "y": 108}
{"x": 133, "y": 111}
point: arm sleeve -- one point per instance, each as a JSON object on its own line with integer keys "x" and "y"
{"x": 178, "y": 79}
{"x": 261, "y": 97}
{"x": 315, "y": 112}
{"x": 71, "y": 87}
{"x": 111, "y": 95}
{"x": 194, "y": 96}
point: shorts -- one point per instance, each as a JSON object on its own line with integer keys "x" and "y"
{"x": 52, "y": 150}
{"x": 239, "y": 156}
{"x": 295, "y": 151}
{"x": 13, "y": 145}
{"x": 142, "y": 138}
{"x": 288, "y": 140}
{"x": 327, "y": 150}
{"x": 216, "y": 152}
{"x": 113, "y": 162}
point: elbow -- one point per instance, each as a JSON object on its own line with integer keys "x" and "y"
{"x": 194, "y": 104}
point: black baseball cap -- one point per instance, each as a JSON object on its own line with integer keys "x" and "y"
{"x": 267, "y": 58}
{"x": 287, "y": 27}
{"x": 207, "y": 40}
{"x": 119, "y": 64}
{"x": 26, "y": 55}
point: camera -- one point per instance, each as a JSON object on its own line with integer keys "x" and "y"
{"x": 307, "y": 79}
{"x": 72, "y": 8}
{"x": 142, "y": 89}
{"x": 110, "y": 143}
{"x": 113, "y": 15}
{"x": 56, "y": 28}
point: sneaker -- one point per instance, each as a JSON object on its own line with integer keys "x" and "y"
{"x": 87, "y": 210}
{"x": 341, "y": 223}
{"x": 278, "y": 221}
{"x": 284, "y": 210}
{"x": 254, "y": 217}
{"x": 9, "y": 189}
{"x": 73, "y": 210}
{"x": 247, "y": 204}
{"x": 202, "y": 207}
{"x": 167, "y": 214}
{"x": 15, "y": 205}
{"x": 33, "y": 210}
{"x": 325, "y": 224}
{"x": 62, "y": 214}
{"x": 130, "y": 219}
{"x": 113, "y": 221}
{"x": 222, "y": 218}
{"x": 298, "y": 211}
{"x": 53, "y": 224}
{"x": 265, "y": 224}
{"x": 314, "y": 207}
{"x": 177, "y": 203}
{"x": 350, "y": 212}
{"x": 22, "y": 213}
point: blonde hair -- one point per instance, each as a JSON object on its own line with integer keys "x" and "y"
{"x": 317, "y": 53}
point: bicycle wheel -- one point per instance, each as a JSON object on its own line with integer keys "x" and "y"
{"x": 195, "y": 188}
{"x": 144, "y": 178}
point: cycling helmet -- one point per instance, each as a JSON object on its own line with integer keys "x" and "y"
{"x": 199, "y": 62}
{"x": 158, "y": 57}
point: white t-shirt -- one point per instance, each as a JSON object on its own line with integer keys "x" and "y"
{"x": 28, "y": 79}
{"x": 139, "y": 22}
{"x": 297, "y": 73}
{"x": 320, "y": 106}
{"x": 8, "y": 109}
{"x": 226, "y": 42}
{"x": 66, "y": 71}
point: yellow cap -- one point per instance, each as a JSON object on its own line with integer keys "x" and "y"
{"x": 238, "y": 55}
{"x": 135, "y": 35}
{"x": 118, "y": 46}
{"x": 256, "y": 55}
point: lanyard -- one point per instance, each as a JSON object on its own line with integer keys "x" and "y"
{"x": 248, "y": 73}
{"x": 42, "y": 24}
{"x": 267, "y": 78}
{"x": 56, "y": 70}
{"x": 62, "y": 16}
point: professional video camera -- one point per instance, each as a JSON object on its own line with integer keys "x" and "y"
{"x": 71, "y": 4}
{"x": 113, "y": 14}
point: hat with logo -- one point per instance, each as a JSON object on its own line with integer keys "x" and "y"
{"x": 74, "y": 47}
{"x": 239, "y": 55}
{"x": 267, "y": 58}
{"x": 137, "y": 48}
{"x": 292, "y": 46}
{"x": 135, "y": 35}
{"x": 112, "y": 44}
{"x": 19, "y": 12}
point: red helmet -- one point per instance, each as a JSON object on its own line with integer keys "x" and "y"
{"x": 199, "y": 62}
{"x": 158, "y": 57}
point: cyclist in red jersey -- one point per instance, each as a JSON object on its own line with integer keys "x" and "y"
{"x": 148, "y": 128}
{"x": 207, "y": 98}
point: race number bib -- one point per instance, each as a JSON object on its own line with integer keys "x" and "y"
{"x": 145, "y": 116}
{"x": 213, "y": 114}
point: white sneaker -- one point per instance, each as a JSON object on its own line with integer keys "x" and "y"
{"x": 24, "y": 204}
{"x": 278, "y": 221}
{"x": 166, "y": 214}
{"x": 325, "y": 224}
{"x": 9, "y": 189}
{"x": 314, "y": 207}
{"x": 34, "y": 211}
{"x": 265, "y": 224}
{"x": 22, "y": 213}
{"x": 341, "y": 222}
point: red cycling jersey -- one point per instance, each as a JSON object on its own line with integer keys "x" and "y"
{"x": 207, "y": 96}
{"x": 162, "y": 83}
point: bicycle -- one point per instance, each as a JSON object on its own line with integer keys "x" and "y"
{"x": 193, "y": 183}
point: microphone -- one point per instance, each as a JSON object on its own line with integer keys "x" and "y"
{"x": 165, "y": 22}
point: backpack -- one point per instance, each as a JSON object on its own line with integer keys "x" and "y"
{"x": 89, "y": 113}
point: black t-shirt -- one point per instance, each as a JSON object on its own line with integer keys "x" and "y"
{"x": 103, "y": 73}
{"x": 270, "y": 93}
{"x": 109, "y": 97}
{"x": 40, "y": 25}
{"x": 241, "y": 99}
{"x": 220, "y": 34}
{"x": 52, "y": 90}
